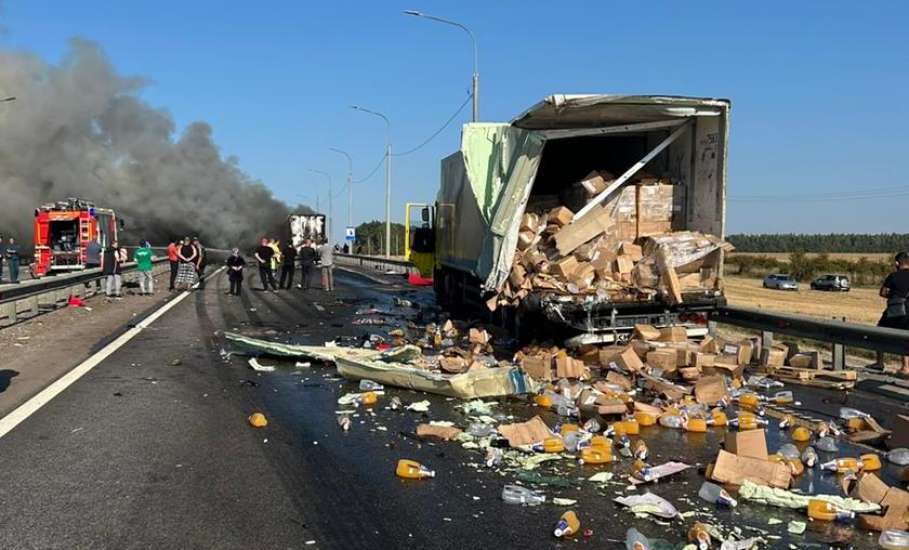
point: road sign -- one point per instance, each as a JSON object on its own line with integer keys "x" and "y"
{"x": 351, "y": 234}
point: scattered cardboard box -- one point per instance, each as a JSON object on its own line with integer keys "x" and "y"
{"x": 646, "y": 332}
{"x": 710, "y": 389}
{"x": 538, "y": 366}
{"x": 525, "y": 433}
{"x": 665, "y": 359}
{"x": 446, "y": 433}
{"x": 749, "y": 443}
{"x": 560, "y": 216}
{"x": 673, "y": 334}
{"x": 735, "y": 469}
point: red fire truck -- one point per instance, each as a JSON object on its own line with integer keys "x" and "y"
{"x": 64, "y": 229}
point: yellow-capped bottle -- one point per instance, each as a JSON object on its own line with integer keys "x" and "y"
{"x": 749, "y": 401}
{"x": 549, "y": 445}
{"x": 368, "y": 398}
{"x": 642, "y": 471}
{"x": 718, "y": 417}
{"x": 566, "y": 429}
{"x": 870, "y": 462}
{"x": 411, "y": 469}
{"x": 542, "y": 400}
{"x": 645, "y": 418}
{"x": 618, "y": 429}
{"x": 698, "y": 535}
{"x": 596, "y": 455}
{"x": 631, "y": 426}
{"x": 697, "y": 425}
{"x": 600, "y": 441}
{"x": 842, "y": 465}
{"x": 568, "y": 525}
{"x": 822, "y": 510}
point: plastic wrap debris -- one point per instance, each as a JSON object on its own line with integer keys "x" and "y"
{"x": 781, "y": 498}
{"x": 796, "y": 527}
{"x": 649, "y": 503}
{"x": 258, "y": 367}
{"x": 564, "y": 501}
{"x": 661, "y": 471}
{"x": 419, "y": 406}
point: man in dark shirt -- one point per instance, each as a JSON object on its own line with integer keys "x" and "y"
{"x": 307, "y": 263}
{"x": 896, "y": 290}
{"x": 263, "y": 257}
{"x": 288, "y": 266}
{"x": 11, "y": 253}
{"x": 235, "y": 264}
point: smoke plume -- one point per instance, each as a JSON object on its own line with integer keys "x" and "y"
{"x": 79, "y": 129}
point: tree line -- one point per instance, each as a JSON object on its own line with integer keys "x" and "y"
{"x": 856, "y": 243}
{"x": 371, "y": 238}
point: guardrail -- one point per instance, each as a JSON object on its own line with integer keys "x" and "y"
{"x": 839, "y": 334}
{"x": 376, "y": 264}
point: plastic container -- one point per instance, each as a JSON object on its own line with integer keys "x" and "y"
{"x": 827, "y": 444}
{"x": 809, "y": 457}
{"x": 671, "y": 421}
{"x": 411, "y": 469}
{"x": 821, "y": 510}
{"x": 395, "y": 403}
{"x": 782, "y": 398}
{"x": 595, "y": 455}
{"x": 714, "y": 494}
{"x": 749, "y": 401}
{"x": 549, "y": 445}
{"x": 576, "y": 440}
{"x": 900, "y": 456}
{"x": 568, "y": 525}
{"x": 698, "y": 425}
{"x": 645, "y": 419}
{"x": 369, "y": 385}
{"x": 566, "y": 429}
{"x": 634, "y": 540}
{"x": 801, "y": 434}
{"x": 870, "y": 462}
{"x": 842, "y": 465}
{"x": 368, "y": 399}
{"x": 718, "y": 418}
{"x": 698, "y": 535}
{"x": 893, "y": 539}
{"x": 516, "y": 494}
{"x": 494, "y": 457}
{"x": 592, "y": 425}
{"x": 641, "y": 471}
{"x": 599, "y": 441}
{"x": 542, "y": 401}
{"x": 566, "y": 409}
{"x": 640, "y": 450}
{"x": 749, "y": 422}
{"x": 786, "y": 421}
{"x": 631, "y": 426}
{"x": 618, "y": 429}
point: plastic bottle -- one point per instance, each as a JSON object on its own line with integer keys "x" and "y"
{"x": 411, "y": 469}
{"x": 516, "y": 494}
{"x": 848, "y": 412}
{"x": 671, "y": 421}
{"x": 592, "y": 425}
{"x": 368, "y": 399}
{"x": 782, "y": 398}
{"x": 494, "y": 457}
{"x": 642, "y": 471}
{"x": 749, "y": 401}
{"x": 747, "y": 423}
{"x": 566, "y": 429}
{"x": 870, "y": 462}
{"x": 697, "y": 425}
{"x": 645, "y": 419}
{"x": 599, "y": 441}
{"x": 257, "y": 420}
{"x": 549, "y": 445}
{"x": 789, "y": 450}
{"x": 827, "y": 444}
{"x": 842, "y": 465}
{"x": 786, "y": 421}
{"x": 624, "y": 445}
{"x": 395, "y": 403}
{"x": 718, "y": 417}
{"x": 479, "y": 429}
{"x": 576, "y": 440}
{"x": 714, "y": 494}
{"x": 809, "y": 457}
{"x": 801, "y": 434}
{"x": 568, "y": 525}
{"x": 821, "y": 510}
{"x": 566, "y": 409}
{"x": 595, "y": 455}
{"x": 542, "y": 401}
{"x": 632, "y": 427}
{"x": 618, "y": 429}
{"x": 698, "y": 534}
{"x": 369, "y": 385}
{"x": 634, "y": 540}
{"x": 893, "y": 539}
{"x": 900, "y": 456}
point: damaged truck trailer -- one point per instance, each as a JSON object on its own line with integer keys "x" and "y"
{"x": 592, "y": 212}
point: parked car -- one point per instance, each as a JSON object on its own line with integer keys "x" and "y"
{"x": 831, "y": 282}
{"x": 781, "y": 282}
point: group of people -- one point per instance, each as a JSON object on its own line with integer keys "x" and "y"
{"x": 9, "y": 255}
{"x": 271, "y": 258}
{"x": 111, "y": 259}
{"x": 188, "y": 260}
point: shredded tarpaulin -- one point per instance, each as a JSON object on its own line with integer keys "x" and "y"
{"x": 782, "y": 498}
{"x": 649, "y": 503}
{"x": 258, "y": 367}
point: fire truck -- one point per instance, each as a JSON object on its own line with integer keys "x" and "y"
{"x": 63, "y": 231}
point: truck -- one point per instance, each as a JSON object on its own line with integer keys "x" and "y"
{"x": 502, "y": 168}
{"x": 306, "y": 226}
{"x": 63, "y": 231}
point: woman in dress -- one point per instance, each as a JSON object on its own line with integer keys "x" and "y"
{"x": 186, "y": 273}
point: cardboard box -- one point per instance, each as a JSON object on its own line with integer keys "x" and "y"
{"x": 689, "y": 374}
{"x": 538, "y": 367}
{"x": 709, "y": 345}
{"x": 525, "y": 433}
{"x": 478, "y": 336}
{"x": 594, "y": 183}
{"x": 702, "y": 360}
{"x": 569, "y": 367}
{"x": 633, "y": 251}
{"x": 610, "y": 354}
{"x": 809, "y": 360}
{"x": 896, "y": 504}
{"x": 665, "y": 359}
{"x": 530, "y": 222}
{"x": 750, "y": 443}
{"x": 673, "y": 334}
{"x": 619, "y": 380}
{"x": 646, "y": 332}
{"x": 711, "y": 389}
{"x": 743, "y": 352}
{"x": 735, "y": 469}
{"x": 593, "y": 401}
{"x": 629, "y": 361}
{"x": 525, "y": 239}
{"x": 624, "y": 264}
{"x": 453, "y": 365}
{"x": 446, "y": 433}
{"x": 870, "y": 488}
{"x": 565, "y": 267}
{"x": 560, "y": 216}
{"x": 574, "y": 234}
{"x": 583, "y": 276}
{"x": 773, "y": 357}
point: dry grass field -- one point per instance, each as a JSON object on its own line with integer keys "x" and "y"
{"x": 784, "y": 256}
{"x": 860, "y": 305}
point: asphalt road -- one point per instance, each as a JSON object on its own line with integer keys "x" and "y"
{"x": 151, "y": 449}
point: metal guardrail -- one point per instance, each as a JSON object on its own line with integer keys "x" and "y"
{"x": 376, "y": 264}
{"x": 839, "y": 334}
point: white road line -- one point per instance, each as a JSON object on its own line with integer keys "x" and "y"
{"x": 44, "y": 397}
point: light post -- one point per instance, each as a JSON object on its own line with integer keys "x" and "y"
{"x": 387, "y": 175}
{"x": 475, "y": 83}
{"x": 331, "y": 214}
{"x": 349, "y": 191}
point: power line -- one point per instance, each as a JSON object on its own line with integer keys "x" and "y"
{"x": 437, "y": 132}
{"x": 371, "y": 174}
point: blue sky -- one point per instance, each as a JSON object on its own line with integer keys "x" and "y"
{"x": 818, "y": 88}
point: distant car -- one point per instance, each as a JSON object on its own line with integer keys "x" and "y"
{"x": 781, "y": 282}
{"x": 838, "y": 283}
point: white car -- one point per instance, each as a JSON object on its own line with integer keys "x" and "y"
{"x": 781, "y": 282}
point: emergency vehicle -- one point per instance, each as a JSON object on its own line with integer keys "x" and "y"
{"x": 63, "y": 231}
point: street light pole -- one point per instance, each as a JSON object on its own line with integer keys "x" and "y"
{"x": 475, "y": 82}
{"x": 387, "y": 176}
{"x": 349, "y": 181}
{"x": 331, "y": 214}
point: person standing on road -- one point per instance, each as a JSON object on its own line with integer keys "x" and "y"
{"x": 896, "y": 290}
{"x": 11, "y": 253}
{"x": 327, "y": 259}
{"x": 186, "y": 272}
{"x": 235, "y": 265}
{"x": 264, "y": 256}
{"x": 288, "y": 266}
{"x": 93, "y": 254}
{"x": 174, "y": 260}
{"x": 275, "y": 246}
{"x": 111, "y": 266}
{"x": 201, "y": 261}
{"x": 307, "y": 262}
{"x": 143, "y": 257}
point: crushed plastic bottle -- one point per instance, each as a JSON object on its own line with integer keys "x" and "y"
{"x": 568, "y": 525}
{"x": 714, "y": 494}
{"x": 494, "y": 457}
{"x": 410, "y": 469}
{"x": 369, "y": 385}
{"x": 893, "y": 539}
{"x": 842, "y": 465}
{"x": 822, "y": 510}
{"x": 634, "y": 540}
{"x": 809, "y": 457}
{"x": 786, "y": 421}
{"x": 479, "y": 429}
{"x": 900, "y": 456}
{"x": 566, "y": 409}
{"x": 645, "y": 418}
{"x": 789, "y": 450}
{"x": 671, "y": 421}
{"x": 827, "y": 444}
{"x": 344, "y": 422}
{"x": 395, "y": 403}
{"x": 516, "y": 494}
{"x": 640, "y": 450}
{"x": 576, "y": 440}
{"x": 368, "y": 399}
{"x": 642, "y": 471}
{"x": 847, "y": 412}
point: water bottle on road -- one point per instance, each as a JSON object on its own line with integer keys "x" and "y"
{"x": 515, "y": 494}
{"x": 369, "y": 385}
{"x": 568, "y": 525}
{"x": 411, "y": 469}
{"x": 634, "y": 540}
{"x": 715, "y": 494}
